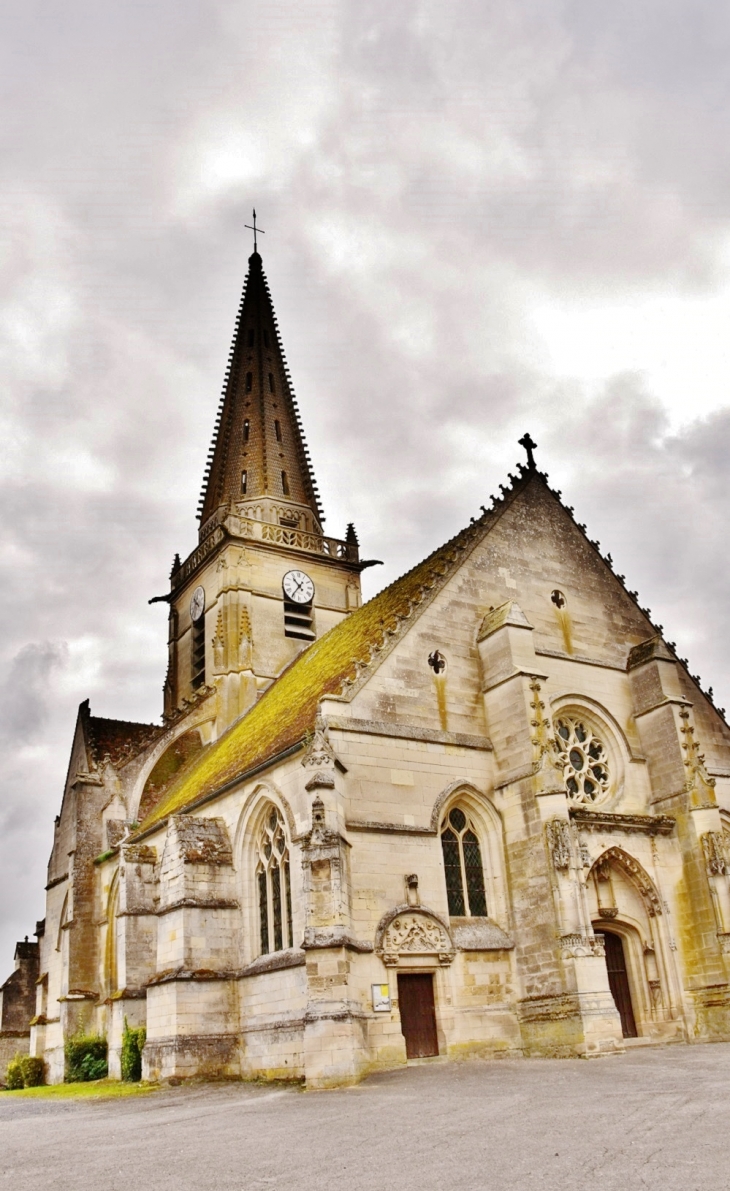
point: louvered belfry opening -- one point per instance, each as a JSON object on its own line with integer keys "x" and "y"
{"x": 258, "y": 448}
{"x": 197, "y": 653}
{"x": 299, "y": 621}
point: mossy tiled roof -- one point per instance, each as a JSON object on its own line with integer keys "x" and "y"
{"x": 286, "y": 712}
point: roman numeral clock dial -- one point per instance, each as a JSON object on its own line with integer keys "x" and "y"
{"x": 298, "y": 587}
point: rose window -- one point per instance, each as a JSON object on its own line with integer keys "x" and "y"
{"x": 583, "y": 758}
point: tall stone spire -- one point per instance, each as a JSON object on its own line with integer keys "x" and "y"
{"x": 258, "y": 448}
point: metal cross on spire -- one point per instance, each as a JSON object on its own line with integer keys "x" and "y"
{"x": 252, "y": 228}
{"x": 529, "y": 446}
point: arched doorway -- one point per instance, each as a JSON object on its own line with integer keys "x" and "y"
{"x": 618, "y": 981}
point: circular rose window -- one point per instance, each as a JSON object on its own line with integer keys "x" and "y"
{"x": 583, "y": 758}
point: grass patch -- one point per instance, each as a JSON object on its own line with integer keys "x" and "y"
{"x": 107, "y": 1088}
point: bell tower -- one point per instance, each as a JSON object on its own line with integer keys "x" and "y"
{"x": 264, "y": 581}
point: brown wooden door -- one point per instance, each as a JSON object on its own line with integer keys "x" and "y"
{"x": 418, "y": 1015}
{"x": 618, "y": 982}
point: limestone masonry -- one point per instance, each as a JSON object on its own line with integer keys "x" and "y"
{"x": 486, "y": 812}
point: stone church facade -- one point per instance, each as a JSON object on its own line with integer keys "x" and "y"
{"x": 486, "y": 812}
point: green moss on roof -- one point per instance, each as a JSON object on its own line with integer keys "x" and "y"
{"x": 286, "y": 712}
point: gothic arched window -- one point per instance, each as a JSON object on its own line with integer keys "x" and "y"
{"x": 463, "y": 866}
{"x": 273, "y": 885}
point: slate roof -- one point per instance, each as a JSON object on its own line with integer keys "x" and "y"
{"x": 258, "y": 430}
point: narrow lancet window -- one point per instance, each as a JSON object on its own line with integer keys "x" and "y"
{"x": 273, "y": 885}
{"x": 263, "y": 911}
{"x": 285, "y": 483}
{"x": 249, "y": 381}
{"x": 463, "y": 867}
{"x": 272, "y": 386}
{"x": 244, "y": 482}
{"x": 251, "y": 336}
{"x": 277, "y": 429}
{"x": 246, "y": 430}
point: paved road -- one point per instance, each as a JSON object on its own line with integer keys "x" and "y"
{"x": 653, "y": 1118}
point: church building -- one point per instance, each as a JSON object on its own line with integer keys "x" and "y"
{"x": 485, "y": 813}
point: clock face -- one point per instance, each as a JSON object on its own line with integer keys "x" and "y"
{"x": 298, "y": 587}
{"x": 197, "y": 603}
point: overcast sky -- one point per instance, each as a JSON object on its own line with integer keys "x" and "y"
{"x": 480, "y": 218}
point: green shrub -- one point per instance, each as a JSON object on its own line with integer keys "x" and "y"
{"x": 133, "y": 1041}
{"x": 25, "y": 1071}
{"x": 14, "y": 1077}
{"x": 86, "y": 1058}
{"x": 33, "y": 1071}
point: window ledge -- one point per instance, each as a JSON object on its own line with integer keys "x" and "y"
{"x": 479, "y": 934}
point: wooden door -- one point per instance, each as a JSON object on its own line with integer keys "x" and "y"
{"x": 418, "y": 1014}
{"x": 618, "y": 981}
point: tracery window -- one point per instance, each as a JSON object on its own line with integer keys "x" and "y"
{"x": 584, "y": 761}
{"x": 463, "y": 866}
{"x": 273, "y": 885}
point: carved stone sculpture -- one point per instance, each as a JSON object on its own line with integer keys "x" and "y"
{"x": 558, "y": 835}
{"x": 414, "y": 932}
{"x": 714, "y": 852}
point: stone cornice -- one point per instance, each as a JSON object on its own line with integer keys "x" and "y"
{"x": 198, "y": 903}
{"x": 635, "y": 824}
{"x": 57, "y": 881}
{"x": 329, "y": 937}
{"x": 293, "y": 957}
{"x": 517, "y": 775}
{"x": 669, "y": 701}
{"x": 579, "y": 657}
{"x": 406, "y": 732}
{"x": 492, "y": 686}
{"x": 388, "y": 828}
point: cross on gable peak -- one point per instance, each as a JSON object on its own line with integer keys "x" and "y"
{"x": 530, "y": 446}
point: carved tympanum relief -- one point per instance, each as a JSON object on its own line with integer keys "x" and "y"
{"x": 415, "y": 933}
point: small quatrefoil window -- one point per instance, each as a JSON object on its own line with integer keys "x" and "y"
{"x": 558, "y": 598}
{"x": 437, "y": 661}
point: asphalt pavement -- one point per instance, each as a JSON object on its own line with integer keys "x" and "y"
{"x": 652, "y": 1118}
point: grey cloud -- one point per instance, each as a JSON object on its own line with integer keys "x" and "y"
{"x": 24, "y": 709}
